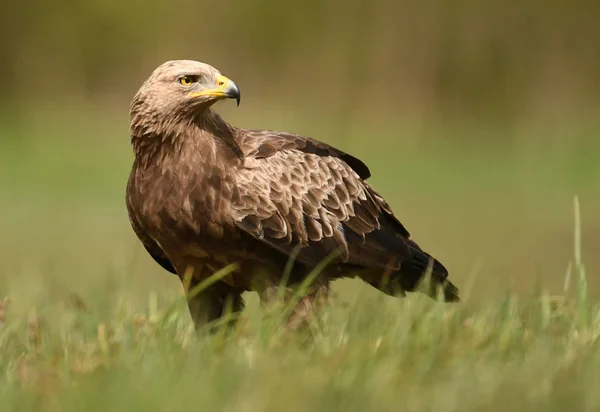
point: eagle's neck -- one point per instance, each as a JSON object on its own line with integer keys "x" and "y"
{"x": 206, "y": 136}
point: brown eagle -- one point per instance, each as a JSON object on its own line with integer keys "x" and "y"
{"x": 203, "y": 194}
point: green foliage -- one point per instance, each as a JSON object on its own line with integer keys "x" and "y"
{"x": 478, "y": 58}
{"x": 411, "y": 354}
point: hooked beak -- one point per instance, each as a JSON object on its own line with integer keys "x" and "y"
{"x": 226, "y": 89}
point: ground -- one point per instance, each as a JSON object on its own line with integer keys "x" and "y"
{"x": 92, "y": 322}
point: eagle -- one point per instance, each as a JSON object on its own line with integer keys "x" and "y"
{"x": 203, "y": 194}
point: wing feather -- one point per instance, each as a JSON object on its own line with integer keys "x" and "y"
{"x": 263, "y": 144}
{"x": 300, "y": 192}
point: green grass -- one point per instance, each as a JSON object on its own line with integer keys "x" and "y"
{"x": 93, "y": 324}
{"x": 411, "y": 354}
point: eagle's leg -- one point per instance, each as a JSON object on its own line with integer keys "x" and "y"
{"x": 218, "y": 302}
{"x": 304, "y": 308}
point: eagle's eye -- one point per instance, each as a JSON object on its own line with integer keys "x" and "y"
{"x": 187, "y": 80}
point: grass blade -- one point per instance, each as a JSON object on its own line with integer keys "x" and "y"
{"x": 582, "y": 292}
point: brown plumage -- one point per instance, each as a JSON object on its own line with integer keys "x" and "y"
{"x": 203, "y": 194}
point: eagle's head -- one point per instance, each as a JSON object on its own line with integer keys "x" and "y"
{"x": 180, "y": 89}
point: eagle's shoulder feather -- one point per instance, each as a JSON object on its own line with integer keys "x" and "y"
{"x": 265, "y": 143}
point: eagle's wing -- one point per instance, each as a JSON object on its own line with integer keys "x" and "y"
{"x": 297, "y": 191}
{"x": 150, "y": 245}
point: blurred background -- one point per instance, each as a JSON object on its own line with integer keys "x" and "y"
{"x": 479, "y": 121}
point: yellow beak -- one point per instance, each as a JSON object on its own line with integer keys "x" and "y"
{"x": 226, "y": 89}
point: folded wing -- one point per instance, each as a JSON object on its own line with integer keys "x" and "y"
{"x": 296, "y": 191}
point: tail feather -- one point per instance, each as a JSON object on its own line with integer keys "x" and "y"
{"x": 413, "y": 274}
{"x": 421, "y": 272}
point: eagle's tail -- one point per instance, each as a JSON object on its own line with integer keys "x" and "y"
{"x": 421, "y": 272}
{"x": 414, "y": 271}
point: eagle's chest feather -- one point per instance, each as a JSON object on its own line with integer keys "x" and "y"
{"x": 189, "y": 217}
{"x": 183, "y": 205}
